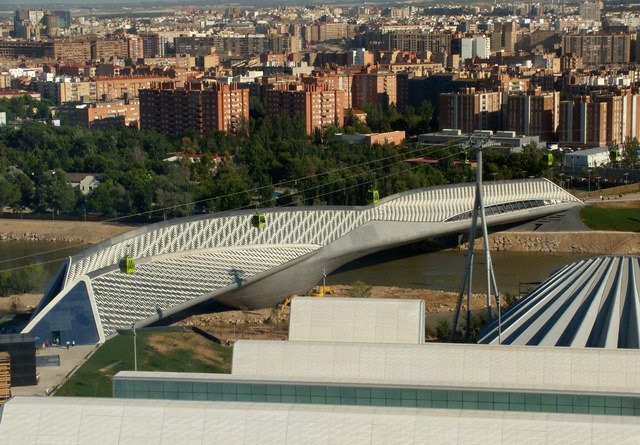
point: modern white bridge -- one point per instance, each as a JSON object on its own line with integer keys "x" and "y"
{"x": 221, "y": 257}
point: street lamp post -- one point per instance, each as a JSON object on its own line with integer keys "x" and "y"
{"x": 135, "y": 348}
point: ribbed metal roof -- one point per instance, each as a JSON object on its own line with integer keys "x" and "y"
{"x": 591, "y": 303}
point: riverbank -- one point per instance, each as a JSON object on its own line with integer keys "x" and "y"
{"x": 273, "y": 323}
{"x": 596, "y": 242}
{"x": 66, "y": 231}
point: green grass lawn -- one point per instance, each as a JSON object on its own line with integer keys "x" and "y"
{"x": 622, "y": 217}
{"x": 175, "y": 351}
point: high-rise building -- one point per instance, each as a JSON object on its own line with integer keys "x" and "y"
{"x": 533, "y": 114}
{"x": 503, "y": 37}
{"x": 64, "y": 18}
{"x": 417, "y": 42}
{"x": 135, "y": 48}
{"x": 475, "y": 47}
{"x": 335, "y": 79}
{"x": 374, "y": 86}
{"x": 27, "y": 23}
{"x": 470, "y": 110}
{"x": 321, "y": 106}
{"x": 481, "y": 47}
{"x": 172, "y": 111}
{"x": 583, "y": 122}
{"x": 320, "y": 32}
{"x": 466, "y": 49}
{"x": 590, "y": 10}
{"x": 598, "y": 49}
{"x": 154, "y": 45}
{"x": 359, "y": 57}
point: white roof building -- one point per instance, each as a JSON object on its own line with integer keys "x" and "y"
{"x": 356, "y": 392}
{"x": 591, "y": 157}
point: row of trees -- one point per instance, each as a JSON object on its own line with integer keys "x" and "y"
{"x": 25, "y": 107}
{"x": 232, "y": 171}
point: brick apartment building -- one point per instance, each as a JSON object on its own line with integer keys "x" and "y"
{"x": 600, "y": 118}
{"x": 172, "y": 110}
{"x": 470, "y": 110}
{"x": 336, "y": 78}
{"x": 583, "y": 122}
{"x": 320, "y": 105}
{"x": 121, "y": 86}
{"x": 104, "y": 49}
{"x": 598, "y": 49}
{"x": 115, "y": 113}
{"x": 533, "y": 114}
{"x": 373, "y": 86}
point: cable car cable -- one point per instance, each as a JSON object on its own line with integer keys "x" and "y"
{"x": 244, "y": 207}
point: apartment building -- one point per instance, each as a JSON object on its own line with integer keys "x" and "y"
{"x": 115, "y": 113}
{"x": 67, "y": 90}
{"x": 124, "y": 86}
{"x": 320, "y": 105}
{"x": 583, "y": 122}
{"x": 504, "y": 37}
{"x": 239, "y": 44}
{"x": 533, "y": 114}
{"x": 154, "y": 45}
{"x": 320, "y": 32}
{"x": 598, "y": 49}
{"x": 104, "y": 49}
{"x": 374, "y": 86}
{"x": 135, "y": 48}
{"x": 417, "y": 42}
{"x": 470, "y": 110}
{"x": 339, "y": 79}
{"x": 172, "y": 110}
{"x": 76, "y": 51}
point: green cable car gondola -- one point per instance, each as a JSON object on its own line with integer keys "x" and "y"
{"x": 127, "y": 264}
{"x": 547, "y": 158}
{"x": 373, "y": 196}
{"x": 615, "y": 155}
{"x": 258, "y": 221}
{"x": 465, "y": 159}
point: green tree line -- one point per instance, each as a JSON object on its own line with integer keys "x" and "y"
{"x": 231, "y": 171}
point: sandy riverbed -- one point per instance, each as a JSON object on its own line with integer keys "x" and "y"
{"x": 69, "y": 231}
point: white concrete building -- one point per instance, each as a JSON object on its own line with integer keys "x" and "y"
{"x": 591, "y": 157}
{"x": 356, "y": 392}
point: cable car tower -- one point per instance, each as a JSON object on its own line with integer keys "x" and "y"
{"x": 477, "y": 143}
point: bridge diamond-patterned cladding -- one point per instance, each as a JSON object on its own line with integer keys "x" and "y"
{"x": 189, "y": 259}
{"x": 123, "y": 299}
{"x": 310, "y": 226}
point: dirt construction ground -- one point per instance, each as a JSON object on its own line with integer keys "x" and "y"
{"x": 273, "y": 324}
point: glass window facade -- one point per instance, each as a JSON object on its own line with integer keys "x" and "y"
{"x": 498, "y": 209}
{"x": 377, "y": 396}
{"x": 69, "y": 320}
